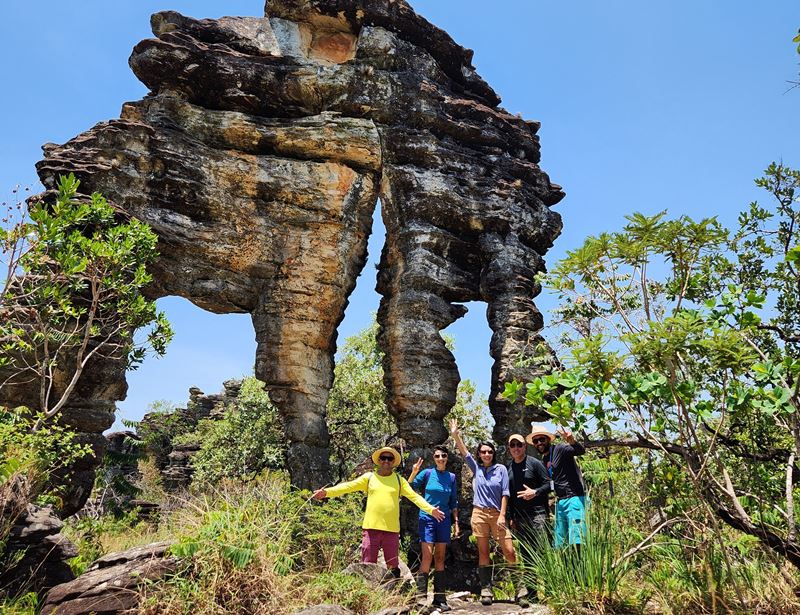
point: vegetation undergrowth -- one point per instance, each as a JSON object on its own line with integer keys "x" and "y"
{"x": 589, "y": 580}
{"x": 257, "y": 547}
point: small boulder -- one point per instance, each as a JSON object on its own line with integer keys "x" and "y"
{"x": 325, "y": 609}
{"x": 110, "y": 584}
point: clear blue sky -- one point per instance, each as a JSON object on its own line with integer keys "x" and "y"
{"x": 670, "y": 104}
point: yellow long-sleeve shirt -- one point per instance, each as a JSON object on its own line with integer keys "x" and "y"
{"x": 383, "y": 499}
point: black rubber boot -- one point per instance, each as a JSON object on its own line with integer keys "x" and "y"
{"x": 485, "y": 577}
{"x": 439, "y": 597}
{"x": 421, "y": 579}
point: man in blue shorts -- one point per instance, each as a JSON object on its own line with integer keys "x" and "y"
{"x": 567, "y": 482}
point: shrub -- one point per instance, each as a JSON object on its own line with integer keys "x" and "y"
{"x": 258, "y": 548}
{"x": 246, "y": 441}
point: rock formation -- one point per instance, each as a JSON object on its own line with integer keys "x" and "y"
{"x": 258, "y": 158}
{"x": 172, "y": 460}
{"x": 111, "y": 584}
{"x": 36, "y": 552}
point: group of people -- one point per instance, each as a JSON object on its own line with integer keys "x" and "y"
{"x": 508, "y": 501}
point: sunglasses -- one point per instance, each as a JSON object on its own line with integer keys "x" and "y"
{"x": 440, "y": 456}
{"x": 540, "y": 440}
{"x": 515, "y": 444}
{"x": 487, "y": 451}
{"x": 386, "y": 458}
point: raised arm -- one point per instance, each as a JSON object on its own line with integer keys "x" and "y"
{"x": 569, "y": 438}
{"x": 457, "y": 437}
{"x": 415, "y": 470}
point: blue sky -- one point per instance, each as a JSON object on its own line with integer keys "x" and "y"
{"x": 644, "y": 106}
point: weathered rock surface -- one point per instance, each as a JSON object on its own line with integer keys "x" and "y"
{"x": 325, "y": 609}
{"x": 258, "y": 158}
{"x": 174, "y": 461}
{"x": 42, "y": 552}
{"x": 111, "y": 583}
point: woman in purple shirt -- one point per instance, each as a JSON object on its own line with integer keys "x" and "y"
{"x": 489, "y": 502}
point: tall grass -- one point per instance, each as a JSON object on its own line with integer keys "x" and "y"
{"x": 258, "y": 548}
{"x": 694, "y": 577}
{"x": 586, "y": 580}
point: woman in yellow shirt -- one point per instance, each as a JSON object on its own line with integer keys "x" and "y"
{"x": 381, "y": 525}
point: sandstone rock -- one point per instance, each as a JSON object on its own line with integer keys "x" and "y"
{"x": 38, "y": 552}
{"x": 325, "y": 609}
{"x": 110, "y": 585}
{"x": 394, "y": 610}
{"x": 375, "y": 575}
{"x": 174, "y": 461}
{"x": 258, "y": 158}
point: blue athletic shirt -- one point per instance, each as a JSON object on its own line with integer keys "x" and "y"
{"x": 440, "y": 490}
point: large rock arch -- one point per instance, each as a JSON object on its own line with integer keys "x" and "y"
{"x": 258, "y": 158}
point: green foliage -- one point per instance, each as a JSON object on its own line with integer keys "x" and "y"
{"x": 591, "y": 579}
{"x": 36, "y": 455}
{"x": 246, "y": 441}
{"x": 164, "y": 424}
{"x": 358, "y": 420}
{"x": 347, "y": 590}
{"x": 73, "y": 291}
{"x": 260, "y": 548}
{"x": 88, "y": 534}
{"x": 684, "y": 336}
{"x": 27, "y": 604}
{"x": 471, "y": 412}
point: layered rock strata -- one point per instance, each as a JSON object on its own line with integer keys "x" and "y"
{"x": 174, "y": 461}
{"x": 258, "y": 158}
{"x": 35, "y": 552}
{"x": 111, "y": 584}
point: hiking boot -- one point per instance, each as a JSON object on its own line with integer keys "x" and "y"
{"x": 522, "y": 594}
{"x": 522, "y": 597}
{"x": 485, "y": 578}
{"x": 439, "y": 597}
{"x": 421, "y": 579}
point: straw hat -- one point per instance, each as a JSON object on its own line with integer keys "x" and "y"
{"x": 539, "y": 431}
{"x": 386, "y": 449}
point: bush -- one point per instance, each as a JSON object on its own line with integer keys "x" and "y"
{"x": 26, "y": 604}
{"x": 246, "y": 441}
{"x": 97, "y": 537}
{"x": 30, "y": 459}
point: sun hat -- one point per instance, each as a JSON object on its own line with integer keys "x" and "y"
{"x": 539, "y": 431}
{"x": 386, "y": 449}
{"x": 517, "y": 437}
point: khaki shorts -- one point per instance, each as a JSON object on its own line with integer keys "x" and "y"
{"x": 484, "y": 524}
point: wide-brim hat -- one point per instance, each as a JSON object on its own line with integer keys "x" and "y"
{"x": 386, "y": 449}
{"x": 539, "y": 431}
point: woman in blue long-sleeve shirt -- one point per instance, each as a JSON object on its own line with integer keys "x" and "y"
{"x": 439, "y": 488}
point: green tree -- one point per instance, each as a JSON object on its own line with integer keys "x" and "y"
{"x": 72, "y": 293}
{"x": 684, "y": 337}
{"x": 358, "y": 420}
{"x": 245, "y": 441}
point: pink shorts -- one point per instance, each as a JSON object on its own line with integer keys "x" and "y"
{"x": 373, "y": 541}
